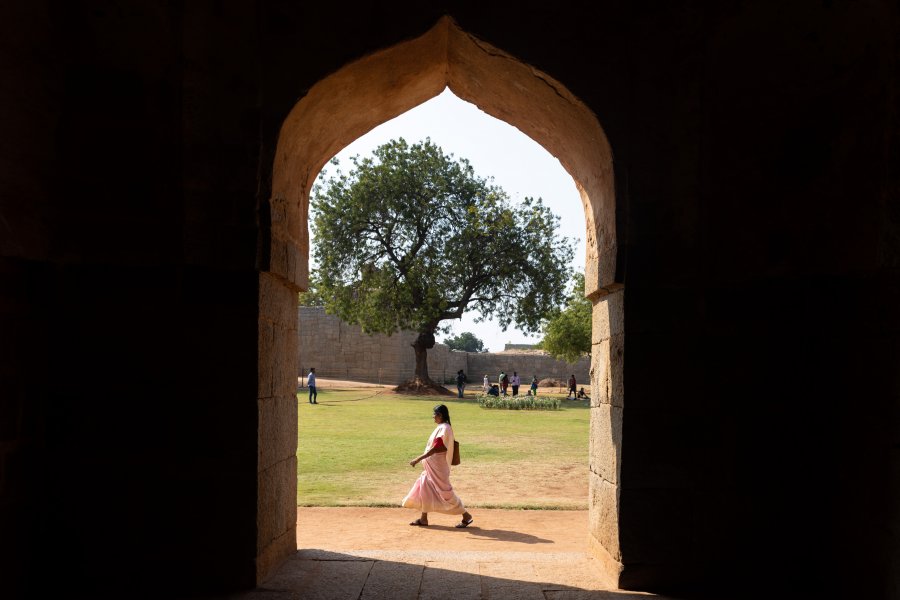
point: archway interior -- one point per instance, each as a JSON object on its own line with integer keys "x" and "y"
{"x": 346, "y": 105}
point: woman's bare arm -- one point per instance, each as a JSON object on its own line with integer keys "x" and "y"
{"x": 434, "y": 450}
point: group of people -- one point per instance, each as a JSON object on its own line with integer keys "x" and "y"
{"x": 505, "y": 382}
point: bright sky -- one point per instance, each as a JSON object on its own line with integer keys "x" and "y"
{"x": 495, "y": 149}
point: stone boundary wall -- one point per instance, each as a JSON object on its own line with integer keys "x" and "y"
{"x": 341, "y": 351}
{"x": 527, "y": 363}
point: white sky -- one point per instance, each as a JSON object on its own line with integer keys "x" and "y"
{"x": 495, "y": 149}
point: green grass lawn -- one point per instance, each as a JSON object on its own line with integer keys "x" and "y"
{"x": 354, "y": 447}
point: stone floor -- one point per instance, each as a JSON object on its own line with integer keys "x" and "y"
{"x": 369, "y": 554}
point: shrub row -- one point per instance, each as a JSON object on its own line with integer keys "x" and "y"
{"x": 519, "y": 402}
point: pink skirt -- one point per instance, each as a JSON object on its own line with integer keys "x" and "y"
{"x": 432, "y": 491}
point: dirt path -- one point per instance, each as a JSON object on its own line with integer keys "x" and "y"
{"x": 539, "y": 531}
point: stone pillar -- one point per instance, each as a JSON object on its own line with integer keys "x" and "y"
{"x": 277, "y": 407}
{"x": 605, "y": 449}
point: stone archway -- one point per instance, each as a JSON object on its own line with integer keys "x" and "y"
{"x": 344, "y": 106}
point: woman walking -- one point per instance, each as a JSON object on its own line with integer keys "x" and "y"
{"x": 432, "y": 491}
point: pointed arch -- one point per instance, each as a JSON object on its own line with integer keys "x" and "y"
{"x": 349, "y": 103}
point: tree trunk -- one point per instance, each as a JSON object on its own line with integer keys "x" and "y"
{"x": 421, "y": 383}
{"x": 421, "y": 346}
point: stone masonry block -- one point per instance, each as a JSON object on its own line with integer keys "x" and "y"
{"x": 267, "y": 352}
{"x": 605, "y": 449}
{"x": 287, "y": 350}
{"x": 600, "y": 390}
{"x": 278, "y": 260}
{"x": 266, "y": 432}
{"x": 266, "y": 505}
{"x": 277, "y": 500}
{"x": 608, "y": 316}
{"x": 277, "y": 301}
{"x": 286, "y": 428}
{"x": 286, "y": 475}
{"x": 297, "y": 270}
{"x": 617, "y": 370}
{"x": 603, "y": 514}
{"x": 277, "y": 430}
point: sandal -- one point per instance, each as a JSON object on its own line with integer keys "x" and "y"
{"x": 464, "y": 523}
{"x": 419, "y": 523}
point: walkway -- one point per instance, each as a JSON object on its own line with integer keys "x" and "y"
{"x": 372, "y": 554}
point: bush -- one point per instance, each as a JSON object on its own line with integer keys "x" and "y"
{"x": 519, "y": 402}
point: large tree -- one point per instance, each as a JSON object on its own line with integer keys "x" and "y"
{"x": 410, "y": 238}
{"x": 466, "y": 341}
{"x": 567, "y": 333}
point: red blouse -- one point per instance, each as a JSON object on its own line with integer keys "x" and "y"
{"x": 438, "y": 443}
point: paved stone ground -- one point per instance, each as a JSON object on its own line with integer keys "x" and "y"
{"x": 372, "y": 554}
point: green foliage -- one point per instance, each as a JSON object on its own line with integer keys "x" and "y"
{"x": 567, "y": 334}
{"x": 410, "y": 238}
{"x": 311, "y": 297}
{"x": 519, "y": 402}
{"x": 466, "y": 341}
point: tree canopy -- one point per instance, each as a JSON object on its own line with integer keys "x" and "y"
{"x": 310, "y": 297}
{"x": 411, "y": 237}
{"x": 466, "y": 341}
{"x": 567, "y": 334}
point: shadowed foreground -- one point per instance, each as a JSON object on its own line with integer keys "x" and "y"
{"x": 371, "y": 553}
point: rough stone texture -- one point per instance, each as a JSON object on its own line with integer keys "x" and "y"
{"x": 616, "y": 371}
{"x": 343, "y": 351}
{"x": 606, "y": 441}
{"x": 600, "y": 373}
{"x": 155, "y": 160}
{"x": 608, "y": 316}
{"x": 603, "y": 500}
{"x": 277, "y": 419}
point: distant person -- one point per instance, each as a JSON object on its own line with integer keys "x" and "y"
{"x": 432, "y": 491}
{"x": 504, "y": 382}
{"x": 515, "y": 382}
{"x": 582, "y": 395}
{"x": 311, "y": 384}
{"x": 487, "y": 384}
{"x": 494, "y": 391}
{"x": 572, "y": 387}
{"x": 460, "y": 383}
{"x": 533, "y": 389}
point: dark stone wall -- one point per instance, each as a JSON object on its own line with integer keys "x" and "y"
{"x": 128, "y": 310}
{"x": 756, "y": 151}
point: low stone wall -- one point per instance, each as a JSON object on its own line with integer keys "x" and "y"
{"x": 341, "y": 351}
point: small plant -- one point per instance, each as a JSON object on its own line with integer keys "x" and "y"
{"x": 518, "y": 402}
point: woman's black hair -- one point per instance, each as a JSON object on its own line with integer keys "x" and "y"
{"x": 444, "y": 412}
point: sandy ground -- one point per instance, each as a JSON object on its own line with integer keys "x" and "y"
{"x": 324, "y": 382}
{"x": 540, "y": 531}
